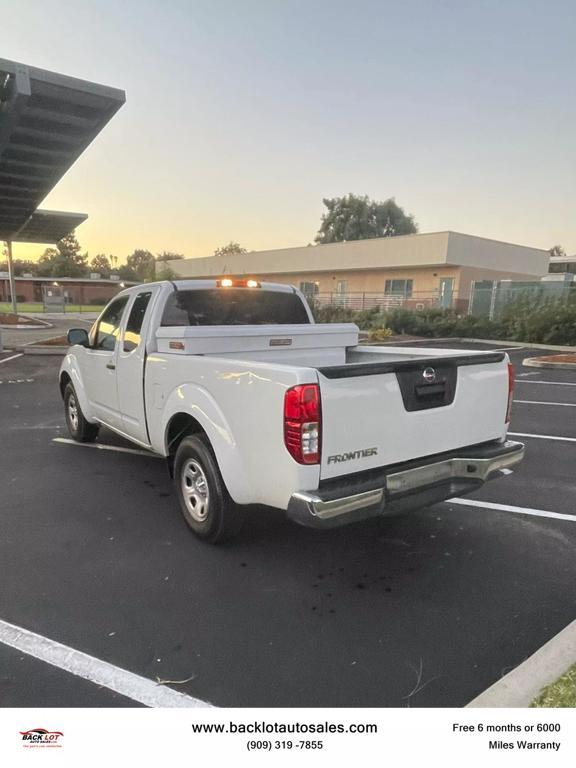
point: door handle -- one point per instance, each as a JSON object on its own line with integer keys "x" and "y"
{"x": 111, "y": 366}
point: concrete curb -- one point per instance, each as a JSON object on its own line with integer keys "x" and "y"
{"x": 499, "y": 342}
{"x": 535, "y": 362}
{"x": 519, "y": 687}
{"x": 25, "y": 327}
{"x": 38, "y": 348}
{"x": 42, "y": 350}
{"x": 529, "y": 344}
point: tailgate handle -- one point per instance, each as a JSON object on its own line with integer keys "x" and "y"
{"x": 430, "y": 390}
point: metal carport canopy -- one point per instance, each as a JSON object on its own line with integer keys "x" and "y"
{"x": 48, "y": 226}
{"x": 46, "y": 121}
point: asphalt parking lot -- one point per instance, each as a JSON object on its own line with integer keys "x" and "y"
{"x": 428, "y": 609}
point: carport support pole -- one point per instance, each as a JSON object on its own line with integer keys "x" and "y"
{"x": 11, "y": 276}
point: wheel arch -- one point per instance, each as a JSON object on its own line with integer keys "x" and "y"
{"x": 181, "y": 425}
{"x": 202, "y": 416}
{"x": 65, "y": 379}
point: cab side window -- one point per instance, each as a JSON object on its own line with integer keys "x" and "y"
{"x": 135, "y": 319}
{"x": 108, "y": 328}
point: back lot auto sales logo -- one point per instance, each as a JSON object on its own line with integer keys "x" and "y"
{"x": 40, "y": 737}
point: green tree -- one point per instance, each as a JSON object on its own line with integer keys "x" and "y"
{"x": 557, "y": 250}
{"x": 127, "y": 273}
{"x": 355, "y": 217}
{"x": 101, "y": 263}
{"x": 64, "y": 260}
{"x": 231, "y": 249}
{"x": 21, "y": 266}
{"x": 164, "y": 272}
{"x": 141, "y": 264}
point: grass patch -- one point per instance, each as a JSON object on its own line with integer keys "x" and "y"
{"x": 562, "y": 693}
{"x": 24, "y": 306}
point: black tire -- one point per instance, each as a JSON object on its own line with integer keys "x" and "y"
{"x": 207, "y": 507}
{"x": 80, "y": 430}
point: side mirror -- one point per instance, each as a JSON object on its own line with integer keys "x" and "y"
{"x": 78, "y": 336}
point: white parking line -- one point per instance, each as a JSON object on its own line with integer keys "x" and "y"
{"x": 540, "y": 402}
{"x": 7, "y": 359}
{"x": 510, "y": 508}
{"x": 544, "y": 437}
{"x": 95, "y": 670}
{"x": 104, "y": 447}
{"x": 555, "y": 383}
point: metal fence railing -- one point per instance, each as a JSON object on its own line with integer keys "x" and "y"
{"x": 418, "y": 300}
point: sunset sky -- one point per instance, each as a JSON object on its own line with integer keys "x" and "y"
{"x": 241, "y": 116}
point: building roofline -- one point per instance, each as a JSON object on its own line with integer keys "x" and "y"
{"x": 89, "y": 280}
{"x": 492, "y": 240}
{"x": 339, "y": 244}
{"x": 375, "y": 239}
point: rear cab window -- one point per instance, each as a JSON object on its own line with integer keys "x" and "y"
{"x": 233, "y": 306}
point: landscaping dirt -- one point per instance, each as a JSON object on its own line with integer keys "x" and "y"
{"x": 59, "y": 341}
{"x": 562, "y": 358}
{"x": 7, "y": 318}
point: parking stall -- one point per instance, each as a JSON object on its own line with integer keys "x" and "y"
{"x": 426, "y": 609}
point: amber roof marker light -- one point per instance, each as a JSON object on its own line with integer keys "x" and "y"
{"x": 227, "y": 282}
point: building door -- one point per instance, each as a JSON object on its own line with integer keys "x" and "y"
{"x": 446, "y": 292}
{"x": 341, "y": 288}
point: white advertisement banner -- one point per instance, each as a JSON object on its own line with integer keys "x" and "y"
{"x": 319, "y": 737}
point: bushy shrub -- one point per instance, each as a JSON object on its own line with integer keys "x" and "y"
{"x": 547, "y": 322}
{"x": 369, "y": 318}
{"x": 380, "y": 334}
{"x": 333, "y": 314}
{"x": 539, "y": 321}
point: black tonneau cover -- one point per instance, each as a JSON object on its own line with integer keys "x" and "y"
{"x": 397, "y": 366}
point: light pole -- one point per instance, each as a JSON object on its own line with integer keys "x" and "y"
{"x": 11, "y": 276}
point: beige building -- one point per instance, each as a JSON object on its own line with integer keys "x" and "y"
{"x": 437, "y": 268}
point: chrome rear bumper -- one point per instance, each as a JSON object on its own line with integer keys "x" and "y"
{"x": 410, "y": 486}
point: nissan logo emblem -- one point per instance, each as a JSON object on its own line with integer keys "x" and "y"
{"x": 429, "y": 374}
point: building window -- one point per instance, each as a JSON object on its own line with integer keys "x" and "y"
{"x": 563, "y": 266}
{"x": 341, "y": 286}
{"x": 309, "y": 289}
{"x": 399, "y": 288}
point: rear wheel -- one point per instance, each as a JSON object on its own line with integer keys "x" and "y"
{"x": 205, "y": 503}
{"x": 80, "y": 429}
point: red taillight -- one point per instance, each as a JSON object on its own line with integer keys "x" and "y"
{"x": 510, "y": 392}
{"x": 303, "y": 423}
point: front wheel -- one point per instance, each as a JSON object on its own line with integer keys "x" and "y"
{"x": 80, "y": 430}
{"x": 205, "y": 503}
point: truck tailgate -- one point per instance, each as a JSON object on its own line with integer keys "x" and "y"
{"x": 376, "y": 414}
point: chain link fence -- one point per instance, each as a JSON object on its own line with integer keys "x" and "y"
{"x": 489, "y": 299}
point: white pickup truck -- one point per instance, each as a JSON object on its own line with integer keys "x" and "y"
{"x": 251, "y": 402}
